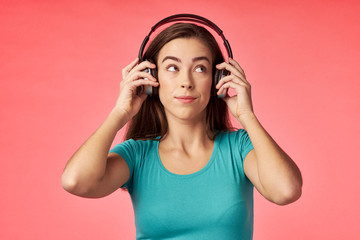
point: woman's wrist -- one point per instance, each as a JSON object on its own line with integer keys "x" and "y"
{"x": 119, "y": 118}
{"x": 246, "y": 119}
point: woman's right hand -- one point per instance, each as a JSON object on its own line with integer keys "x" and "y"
{"x": 133, "y": 76}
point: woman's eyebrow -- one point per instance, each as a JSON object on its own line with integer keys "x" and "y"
{"x": 201, "y": 58}
{"x": 171, "y": 58}
{"x": 195, "y": 59}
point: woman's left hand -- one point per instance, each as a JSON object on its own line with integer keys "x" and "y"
{"x": 239, "y": 104}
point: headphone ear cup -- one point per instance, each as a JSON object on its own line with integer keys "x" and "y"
{"x": 149, "y": 90}
{"x": 215, "y": 82}
{"x": 219, "y": 74}
{"x": 155, "y": 90}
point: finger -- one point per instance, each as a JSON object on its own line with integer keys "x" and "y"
{"x": 232, "y": 78}
{"x": 237, "y": 65}
{"x": 141, "y": 75}
{"x": 128, "y": 68}
{"x": 144, "y": 82}
{"x": 231, "y": 69}
{"x": 143, "y": 65}
{"x": 235, "y": 86}
{"x": 133, "y": 86}
{"x": 237, "y": 72}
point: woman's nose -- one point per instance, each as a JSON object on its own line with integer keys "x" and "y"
{"x": 186, "y": 85}
{"x": 187, "y": 81}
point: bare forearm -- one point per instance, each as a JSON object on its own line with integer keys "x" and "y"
{"x": 88, "y": 164}
{"x": 278, "y": 174}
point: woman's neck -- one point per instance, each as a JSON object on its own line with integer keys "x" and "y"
{"x": 186, "y": 135}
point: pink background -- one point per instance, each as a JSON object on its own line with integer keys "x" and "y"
{"x": 60, "y": 67}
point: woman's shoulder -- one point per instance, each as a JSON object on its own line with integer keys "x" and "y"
{"x": 135, "y": 145}
{"x": 141, "y": 142}
{"x": 233, "y": 137}
{"x": 232, "y": 133}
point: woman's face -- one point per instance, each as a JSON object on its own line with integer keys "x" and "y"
{"x": 185, "y": 78}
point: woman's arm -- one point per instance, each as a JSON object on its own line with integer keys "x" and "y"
{"x": 269, "y": 168}
{"x": 91, "y": 171}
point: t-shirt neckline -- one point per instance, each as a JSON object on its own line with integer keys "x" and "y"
{"x": 204, "y": 169}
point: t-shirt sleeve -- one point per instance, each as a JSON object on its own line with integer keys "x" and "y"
{"x": 126, "y": 150}
{"x": 244, "y": 142}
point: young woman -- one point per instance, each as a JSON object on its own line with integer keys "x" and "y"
{"x": 189, "y": 174}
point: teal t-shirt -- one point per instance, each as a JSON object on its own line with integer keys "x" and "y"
{"x": 214, "y": 203}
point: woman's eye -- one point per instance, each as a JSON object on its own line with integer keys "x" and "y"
{"x": 200, "y": 69}
{"x": 172, "y": 68}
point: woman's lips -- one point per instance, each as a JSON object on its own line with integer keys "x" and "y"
{"x": 186, "y": 99}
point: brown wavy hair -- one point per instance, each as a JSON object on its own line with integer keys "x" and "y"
{"x": 150, "y": 122}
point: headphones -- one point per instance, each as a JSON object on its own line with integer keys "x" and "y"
{"x": 185, "y": 17}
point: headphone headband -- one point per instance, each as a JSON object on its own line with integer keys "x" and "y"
{"x": 186, "y": 17}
